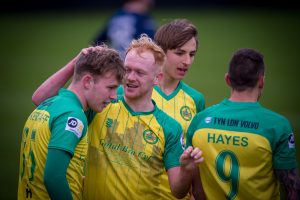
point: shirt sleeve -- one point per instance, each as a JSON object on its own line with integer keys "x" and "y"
{"x": 55, "y": 178}
{"x": 191, "y": 130}
{"x": 201, "y": 104}
{"x": 284, "y": 154}
{"x": 173, "y": 147}
{"x": 67, "y": 130}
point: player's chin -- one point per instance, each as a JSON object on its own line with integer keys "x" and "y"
{"x": 181, "y": 76}
{"x": 130, "y": 94}
{"x": 100, "y": 107}
{"x": 104, "y": 105}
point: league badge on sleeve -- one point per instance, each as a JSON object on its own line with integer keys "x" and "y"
{"x": 182, "y": 141}
{"x": 208, "y": 120}
{"x": 75, "y": 125}
{"x": 291, "y": 141}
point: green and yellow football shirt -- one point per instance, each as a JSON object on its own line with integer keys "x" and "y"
{"x": 128, "y": 152}
{"x": 242, "y": 143}
{"x": 182, "y": 104}
{"x": 58, "y": 123}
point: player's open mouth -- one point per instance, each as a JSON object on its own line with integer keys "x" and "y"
{"x": 131, "y": 85}
{"x": 182, "y": 69}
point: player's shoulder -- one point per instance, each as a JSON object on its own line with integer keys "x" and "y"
{"x": 195, "y": 94}
{"x": 165, "y": 120}
{"x": 189, "y": 89}
{"x": 171, "y": 128}
{"x": 215, "y": 108}
{"x": 272, "y": 117}
{"x": 66, "y": 101}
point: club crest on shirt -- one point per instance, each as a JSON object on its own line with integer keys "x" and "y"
{"x": 186, "y": 113}
{"x": 291, "y": 141}
{"x": 75, "y": 125}
{"x": 150, "y": 137}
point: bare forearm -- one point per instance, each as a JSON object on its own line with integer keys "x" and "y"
{"x": 182, "y": 176}
{"x": 180, "y": 181}
{"x": 51, "y": 86}
{"x": 197, "y": 188}
{"x": 290, "y": 182}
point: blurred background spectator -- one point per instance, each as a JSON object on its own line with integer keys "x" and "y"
{"x": 126, "y": 24}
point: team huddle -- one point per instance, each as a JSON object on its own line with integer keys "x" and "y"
{"x": 132, "y": 129}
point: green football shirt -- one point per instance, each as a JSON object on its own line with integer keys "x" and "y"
{"x": 128, "y": 152}
{"x": 242, "y": 143}
{"x": 58, "y": 123}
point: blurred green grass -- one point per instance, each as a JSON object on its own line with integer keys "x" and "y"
{"x": 34, "y": 45}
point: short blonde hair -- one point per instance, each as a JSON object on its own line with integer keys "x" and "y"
{"x": 146, "y": 43}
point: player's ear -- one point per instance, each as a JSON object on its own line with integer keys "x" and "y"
{"x": 87, "y": 81}
{"x": 158, "y": 78}
{"x": 261, "y": 82}
{"x": 227, "y": 79}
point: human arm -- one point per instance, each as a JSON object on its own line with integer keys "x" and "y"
{"x": 51, "y": 86}
{"x": 290, "y": 183}
{"x": 55, "y": 178}
{"x": 180, "y": 178}
{"x": 197, "y": 188}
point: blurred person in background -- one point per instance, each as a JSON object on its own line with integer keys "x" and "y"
{"x": 128, "y": 23}
{"x": 249, "y": 150}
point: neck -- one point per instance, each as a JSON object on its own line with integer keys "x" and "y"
{"x": 79, "y": 95}
{"x": 136, "y": 7}
{"x": 168, "y": 85}
{"x": 138, "y": 105}
{"x": 250, "y": 95}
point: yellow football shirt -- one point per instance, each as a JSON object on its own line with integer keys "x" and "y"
{"x": 128, "y": 152}
{"x": 182, "y": 105}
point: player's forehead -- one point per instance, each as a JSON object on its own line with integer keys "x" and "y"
{"x": 189, "y": 46}
{"x": 109, "y": 77}
{"x": 139, "y": 60}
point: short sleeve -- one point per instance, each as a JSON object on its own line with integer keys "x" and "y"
{"x": 201, "y": 104}
{"x": 173, "y": 147}
{"x": 284, "y": 153}
{"x": 191, "y": 130}
{"x": 67, "y": 130}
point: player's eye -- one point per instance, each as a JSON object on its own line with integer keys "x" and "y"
{"x": 179, "y": 53}
{"x": 192, "y": 54}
